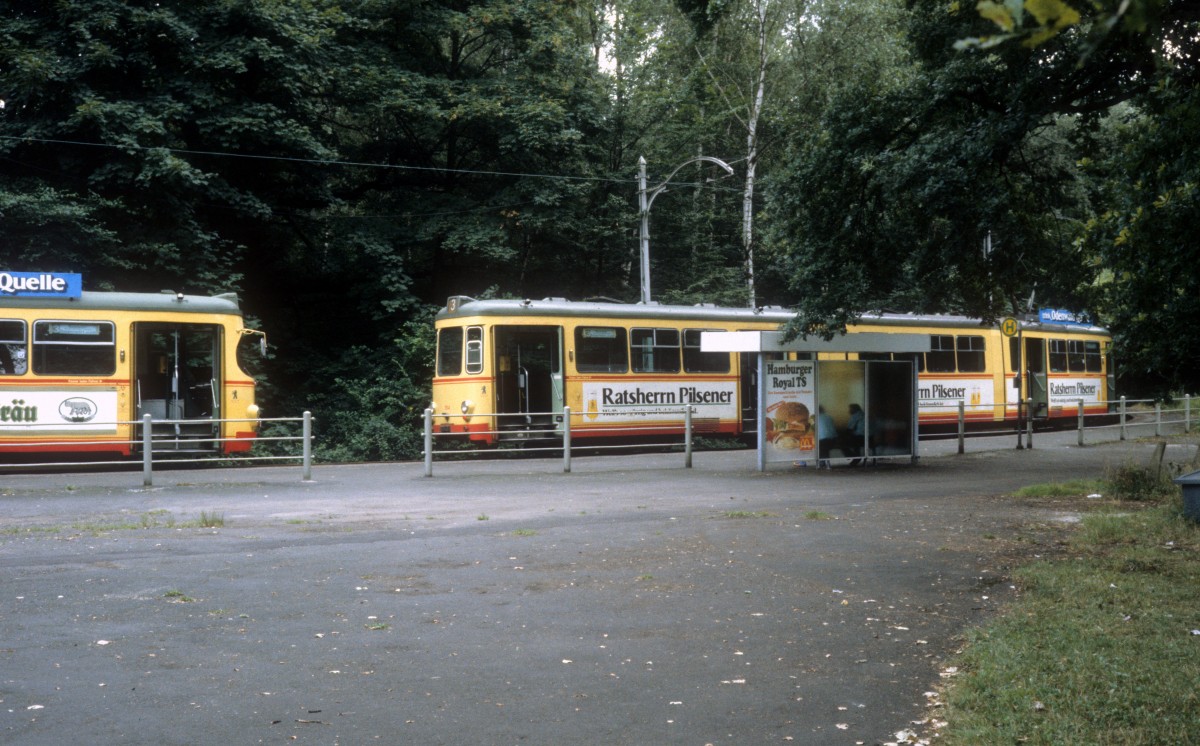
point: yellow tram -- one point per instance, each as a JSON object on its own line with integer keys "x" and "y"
{"x": 78, "y": 373}
{"x": 507, "y": 368}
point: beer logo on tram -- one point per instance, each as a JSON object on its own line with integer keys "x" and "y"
{"x": 77, "y": 409}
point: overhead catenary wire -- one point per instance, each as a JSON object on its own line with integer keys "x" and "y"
{"x": 346, "y": 163}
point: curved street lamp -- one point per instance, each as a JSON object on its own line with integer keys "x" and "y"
{"x": 646, "y": 198}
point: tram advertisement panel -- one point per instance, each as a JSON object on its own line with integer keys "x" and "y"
{"x": 66, "y": 412}
{"x": 609, "y": 401}
{"x": 791, "y": 403}
{"x": 1066, "y": 392}
{"x": 939, "y": 397}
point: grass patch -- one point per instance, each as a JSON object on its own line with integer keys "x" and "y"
{"x": 178, "y": 597}
{"x": 747, "y": 514}
{"x": 149, "y": 520}
{"x": 212, "y": 520}
{"x": 1072, "y": 488}
{"x": 524, "y": 532}
{"x": 1129, "y": 483}
{"x": 818, "y": 515}
{"x": 1099, "y": 649}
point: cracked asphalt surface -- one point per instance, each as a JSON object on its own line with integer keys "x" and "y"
{"x": 631, "y": 601}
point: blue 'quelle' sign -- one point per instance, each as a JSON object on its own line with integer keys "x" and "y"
{"x": 41, "y": 284}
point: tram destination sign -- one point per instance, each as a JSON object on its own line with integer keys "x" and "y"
{"x": 41, "y": 284}
{"x": 1063, "y": 317}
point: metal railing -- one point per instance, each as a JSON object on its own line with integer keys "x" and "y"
{"x": 154, "y": 447}
{"x": 531, "y": 433}
{"x": 1140, "y": 415}
{"x": 1126, "y": 418}
{"x": 1130, "y": 415}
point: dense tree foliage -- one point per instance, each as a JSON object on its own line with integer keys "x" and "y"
{"x": 990, "y": 178}
{"x": 346, "y": 165}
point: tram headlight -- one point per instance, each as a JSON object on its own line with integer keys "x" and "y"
{"x": 252, "y": 413}
{"x": 468, "y": 406}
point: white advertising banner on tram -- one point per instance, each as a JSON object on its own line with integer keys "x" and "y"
{"x": 610, "y": 401}
{"x": 791, "y": 403}
{"x": 62, "y": 411}
{"x": 941, "y": 396}
{"x": 1066, "y": 392}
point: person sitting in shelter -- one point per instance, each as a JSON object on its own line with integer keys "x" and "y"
{"x": 826, "y": 437}
{"x": 855, "y": 432}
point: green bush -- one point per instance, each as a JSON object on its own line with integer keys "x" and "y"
{"x": 1140, "y": 484}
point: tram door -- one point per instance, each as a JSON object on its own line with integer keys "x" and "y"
{"x": 529, "y": 377}
{"x": 177, "y": 377}
{"x": 1036, "y": 384}
{"x": 748, "y": 362}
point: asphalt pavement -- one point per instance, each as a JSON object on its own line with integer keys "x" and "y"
{"x": 630, "y": 601}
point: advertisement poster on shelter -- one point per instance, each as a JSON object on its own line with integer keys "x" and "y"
{"x": 791, "y": 403}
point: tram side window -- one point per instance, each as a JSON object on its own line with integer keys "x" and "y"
{"x": 695, "y": 361}
{"x": 940, "y": 358}
{"x": 971, "y": 357}
{"x": 474, "y": 349}
{"x": 13, "y": 360}
{"x": 655, "y": 350}
{"x": 79, "y": 348}
{"x": 1076, "y": 358}
{"x": 1058, "y": 356}
{"x": 1093, "y": 362}
{"x": 601, "y": 349}
{"x": 450, "y": 351}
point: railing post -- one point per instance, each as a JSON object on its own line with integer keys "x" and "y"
{"x": 687, "y": 436}
{"x": 962, "y": 427}
{"x": 429, "y": 442}
{"x": 1081, "y": 422}
{"x": 1158, "y": 419}
{"x": 1029, "y": 424}
{"x": 307, "y": 447}
{"x": 1187, "y": 413}
{"x": 1122, "y": 420}
{"x": 566, "y": 440}
{"x": 147, "y": 450}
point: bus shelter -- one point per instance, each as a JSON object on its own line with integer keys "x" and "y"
{"x": 815, "y": 408}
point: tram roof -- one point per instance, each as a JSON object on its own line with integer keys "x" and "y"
{"x": 158, "y": 302}
{"x": 464, "y": 306}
